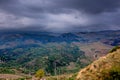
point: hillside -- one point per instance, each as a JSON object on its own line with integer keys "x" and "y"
{"x": 69, "y": 57}
{"x": 27, "y": 52}
{"x": 101, "y": 69}
{"x": 105, "y": 68}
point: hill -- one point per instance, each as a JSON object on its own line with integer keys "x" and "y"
{"x": 68, "y": 57}
{"x": 105, "y": 68}
{"x": 27, "y": 52}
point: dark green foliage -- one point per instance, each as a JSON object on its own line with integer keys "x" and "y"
{"x": 6, "y": 71}
{"x": 46, "y": 56}
{"x": 112, "y": 74}
{"x": 115, "y": 48}
{"x": 21, "y": 79}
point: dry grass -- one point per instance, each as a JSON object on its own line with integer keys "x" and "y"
{"x": 94, "y": 71}
{"x": 94, "y": 50}
{"x": 60, "y": 77}
{"x": 9, "y": 76}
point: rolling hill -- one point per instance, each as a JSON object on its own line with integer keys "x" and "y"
{"x": 27, "y": 52}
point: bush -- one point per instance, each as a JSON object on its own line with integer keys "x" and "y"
{"x": 6, "y": 71}
{"x": 40, "y": 73}
{"x": 112, "y": 74}
{"x": 21, "y": 79}
{"x": 115, "y": 48}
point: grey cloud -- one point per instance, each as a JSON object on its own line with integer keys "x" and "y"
{"x": 38, "y": 6}
{"x": 87, "y": 6}
{"x": 60, "y": 15}
{"x": 91, "y": 6}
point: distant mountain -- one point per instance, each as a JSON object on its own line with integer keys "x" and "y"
{"x": 105, "y": 68}
{"x": 19, "y": 39}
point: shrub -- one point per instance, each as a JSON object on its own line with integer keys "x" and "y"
{"x": 40, "y": 73}
{"x": 6, "y": 71}
{"x": 112, "y": 74}
{"x": 21, "y": 79}
{"x": 114, "y": 49}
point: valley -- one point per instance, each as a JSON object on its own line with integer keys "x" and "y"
{"x": 23, "y": 53}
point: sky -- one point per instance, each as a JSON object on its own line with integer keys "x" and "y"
{"x": 59, "y": 15}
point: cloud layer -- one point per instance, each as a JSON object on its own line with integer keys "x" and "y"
{"x": 59, "y": 15}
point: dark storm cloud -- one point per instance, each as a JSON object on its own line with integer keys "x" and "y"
{"x": 89, "y": 6}
{"x": 60, "y": 15}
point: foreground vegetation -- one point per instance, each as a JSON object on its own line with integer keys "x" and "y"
{"x": 105, "y": 68}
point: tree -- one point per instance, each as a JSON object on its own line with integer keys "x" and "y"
{"x": 40, "y": 73}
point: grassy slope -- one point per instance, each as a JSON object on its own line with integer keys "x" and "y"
{"x": 96, "y": 69}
